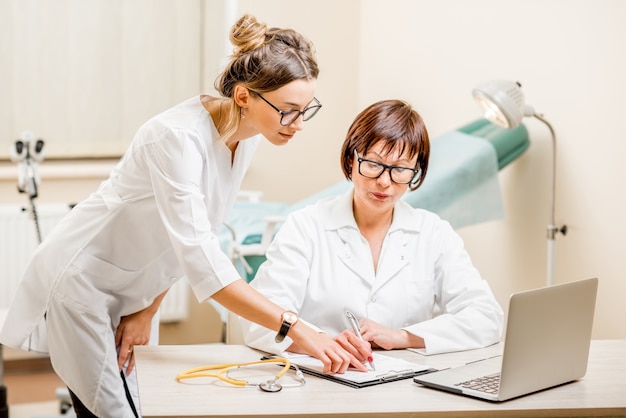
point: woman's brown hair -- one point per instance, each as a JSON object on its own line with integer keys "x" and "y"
{"x": 398, "y": 126}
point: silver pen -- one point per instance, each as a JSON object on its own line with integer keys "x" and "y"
{"x": 357, "y": 330}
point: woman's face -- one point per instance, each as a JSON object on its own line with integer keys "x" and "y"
{"x": 296, "y": 95}
{"x": 378, "y": 195}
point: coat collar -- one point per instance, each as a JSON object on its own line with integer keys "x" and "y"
{"x": 337, "y": 214}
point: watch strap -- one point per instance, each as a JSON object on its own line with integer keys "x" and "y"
{"x": 282, "y": 332}
{"x": 289, "y": 318}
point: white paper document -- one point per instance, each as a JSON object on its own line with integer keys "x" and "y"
{"x": 388, "y": 369}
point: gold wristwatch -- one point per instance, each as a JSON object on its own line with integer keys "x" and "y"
{"x": 289, "y": 318}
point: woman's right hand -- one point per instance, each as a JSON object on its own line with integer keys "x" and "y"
{"x": 242, "y": 299}
{"x": 360, "y": 349}
{"x": 335, "y": 357}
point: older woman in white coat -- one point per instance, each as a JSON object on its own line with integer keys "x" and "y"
{"x": 403, "y": 271}
{"x": 94, "y": 285}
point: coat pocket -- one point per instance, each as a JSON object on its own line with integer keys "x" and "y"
{"x": 101, "y": 274}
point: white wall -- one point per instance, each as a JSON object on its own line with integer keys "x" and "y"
{"x": 83, "y": 75}
{"x": 286, "y": 173}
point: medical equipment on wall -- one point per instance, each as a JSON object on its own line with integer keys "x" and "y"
{"x": 28, "y": 152}
{"x": 237, "y": 374}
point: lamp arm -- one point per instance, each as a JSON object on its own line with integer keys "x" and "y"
{"x": 552, "y": 227}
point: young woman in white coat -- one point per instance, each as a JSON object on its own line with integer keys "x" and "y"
{"x": 402, "y": 271}
{"x": 92, "y": 289}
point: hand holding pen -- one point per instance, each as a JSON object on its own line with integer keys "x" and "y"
{"x": 354, "y": 323}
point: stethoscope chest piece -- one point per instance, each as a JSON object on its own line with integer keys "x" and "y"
{"x": 270, "y": 386}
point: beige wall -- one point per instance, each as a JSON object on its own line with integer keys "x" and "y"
{"x": 570, "y": 56}
{"x": 84, "y": 75}
{"x": 333, "y": 26}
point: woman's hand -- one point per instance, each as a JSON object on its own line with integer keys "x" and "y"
{"x": 242, "y": 299}
{"x": 133, "y": 330}
{"x": 388, "y": 338}
{"x": 360, "y": 349}
{"x": 335, "y": 357}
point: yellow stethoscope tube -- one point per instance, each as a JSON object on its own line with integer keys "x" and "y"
{"x": 219, "y": 371}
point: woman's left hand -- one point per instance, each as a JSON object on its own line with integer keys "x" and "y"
{"x": 387, "y": 338}
{"x": 133, "y": 330}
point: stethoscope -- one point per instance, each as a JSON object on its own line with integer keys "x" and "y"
{"x": 222, "y": 372}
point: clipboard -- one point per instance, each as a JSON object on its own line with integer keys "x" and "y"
{"x": 388, "y": 369}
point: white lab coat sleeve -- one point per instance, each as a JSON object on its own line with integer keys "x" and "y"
{"x": 289, "y": 259}
{"x": 470, "y": 314}
{"x": 176, "y": 168}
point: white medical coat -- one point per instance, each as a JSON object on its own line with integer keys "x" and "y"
{"x": 320, "y": 265}
{"x": 153, "y": 221}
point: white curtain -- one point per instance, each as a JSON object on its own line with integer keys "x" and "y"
{"x": 84, "y": 74}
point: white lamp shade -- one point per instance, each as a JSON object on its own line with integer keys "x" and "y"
{"x": 502, "y": 103}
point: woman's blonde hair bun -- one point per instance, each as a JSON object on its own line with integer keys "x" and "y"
{"x": 247, "y": 34}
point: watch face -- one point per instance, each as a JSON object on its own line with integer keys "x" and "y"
{"x": 290, "y": 317}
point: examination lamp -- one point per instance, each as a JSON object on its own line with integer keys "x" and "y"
{"x": 503, "y": 104}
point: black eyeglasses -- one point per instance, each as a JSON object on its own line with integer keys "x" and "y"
{"x": 373, "y": 170}
{"x": 290, "y": 116}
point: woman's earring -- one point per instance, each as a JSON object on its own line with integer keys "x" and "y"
{"x": 243, "y": 115}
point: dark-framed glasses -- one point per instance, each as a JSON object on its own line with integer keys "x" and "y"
{"x": 288, "y": 117}
{"x": 374, "y": 169}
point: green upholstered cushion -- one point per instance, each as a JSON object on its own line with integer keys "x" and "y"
{"x": 508, "y": 143}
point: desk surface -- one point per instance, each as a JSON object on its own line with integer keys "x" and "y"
{"x": 602, "y": 392}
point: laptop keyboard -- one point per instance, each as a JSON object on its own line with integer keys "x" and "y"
{"x": 487, "y": 384}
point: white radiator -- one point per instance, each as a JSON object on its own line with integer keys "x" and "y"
{"x": 18, "y": 239}
{"x": 175, "y": 305}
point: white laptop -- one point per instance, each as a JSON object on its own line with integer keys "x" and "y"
{"x": 546, "y": 344}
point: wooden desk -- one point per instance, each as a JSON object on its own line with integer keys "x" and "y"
{"x": 601, "y": 393}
